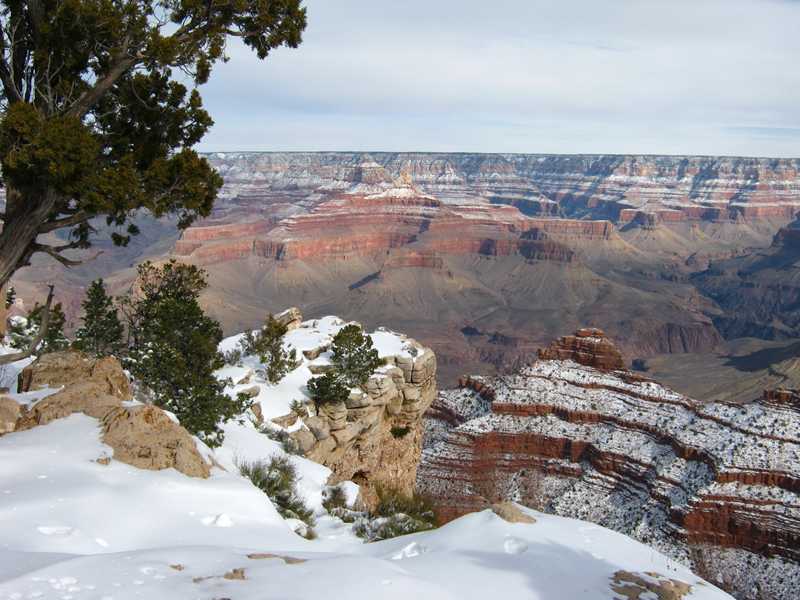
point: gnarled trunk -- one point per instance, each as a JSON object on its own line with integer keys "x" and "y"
{"x": 23, "y": 218}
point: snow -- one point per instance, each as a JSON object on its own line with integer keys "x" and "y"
{"x": 73, "y": 528}
{"x": 276, "y": 399}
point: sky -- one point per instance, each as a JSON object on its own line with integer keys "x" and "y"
{"x": 530, "y": 76}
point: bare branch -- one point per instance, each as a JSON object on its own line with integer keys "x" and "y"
{"x": 6, "y": 359}
{"x": 54, "y": 252}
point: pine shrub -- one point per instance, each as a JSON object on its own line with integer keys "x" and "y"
{"x": 328, "y": 389}
{"x": 23, "y": 331}
{"x": 11, "y": 296}
{"x": 174, "y": 349}
{"x": 396, "y": 514}
{"x": 267, "y": 344}
{"x": 277, "y": 478}
{"x": 101, "y": 334}
{"x": 353, "y": 356}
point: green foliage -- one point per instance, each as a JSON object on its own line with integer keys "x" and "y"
{"x": 22, "y": 332}
{"x": 277, "y": 434}
{"x": 11, "y": 296}
{"x": 400, "y": 432}
{"x": 333, "y": 497}
{"x": 396, "y": 514}
{"x": 101, "y": 334}
{"x": 353, "y": 356}
{"x": 298, "y": 408}
{"x": 97, "y": 118}
{"x": 278, "y": 480}
{"x": 174, "y": 349}
{"x": 267, "y": 344}
{"x": 328, "y": 389}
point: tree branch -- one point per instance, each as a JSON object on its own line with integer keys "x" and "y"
{"x": 76, "y": 219}
{"x": 6, "y": 359}
{"x": 54, "y": 252}
{"x": 88, "y": 99}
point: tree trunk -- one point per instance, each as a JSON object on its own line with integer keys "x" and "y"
{"x": 3, "y": 312}
{"x": 20, "y": 229}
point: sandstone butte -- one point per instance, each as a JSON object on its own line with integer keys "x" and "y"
{"x": 714, "y": 485}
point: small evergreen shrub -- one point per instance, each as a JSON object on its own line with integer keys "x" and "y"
{"x": 287, "y": 442}
{"x": 299, "y": 408}
{"x": 333, "y": 497}
{"x": 400, "y": 432}
{"x": 353, "y": 356}
{"x": 328, "y": 388}
{"x": 277, "y": 478}
{"x": 396, "y": 514}
{"x": 101, "y": 334}
{"x": 267, "y": 344}
{"x": 11, "y": 296}
{"x": 23, "y": 331}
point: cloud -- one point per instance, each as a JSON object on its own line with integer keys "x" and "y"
{"x": 661, "y": 76}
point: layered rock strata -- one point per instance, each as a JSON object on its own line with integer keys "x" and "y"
{"x": 714, "y": 483}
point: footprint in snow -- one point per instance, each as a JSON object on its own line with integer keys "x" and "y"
{"x": 514, "y": 545}
{"x": 410, "y": 551}
{"x": 221, "y": 520}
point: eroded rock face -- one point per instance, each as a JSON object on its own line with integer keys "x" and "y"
{"x": 142, "y": 436}
{"x": 622, "y": 451}
{"x": 10, "y": 412}
{"x": 65, "y": 368}
{"x": 375, "y": 437}
{"x": 588, "y": 347}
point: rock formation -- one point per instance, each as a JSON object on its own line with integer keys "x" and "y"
{"x": 140, "y": 435}
{"x": 710, "y": 483}
{"x": 375, "y": 437}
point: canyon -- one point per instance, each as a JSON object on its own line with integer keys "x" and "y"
{"x": 482, "y": 257}
{"x": 715, "y": 485}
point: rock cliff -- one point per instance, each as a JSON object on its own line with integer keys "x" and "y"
{"x": 713, "y": 484}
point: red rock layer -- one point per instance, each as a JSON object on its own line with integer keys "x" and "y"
{"x": 588, "y": 347}
{"x": 570, "y": 436}
{"x": 351, "y": 225}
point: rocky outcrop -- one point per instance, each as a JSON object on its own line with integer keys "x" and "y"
{"x": 624, "y": 452}
{"x": 147, "y": 438}
{"x": 65, "y": 368}
{"x": 375, "y": 437}
{"x": 589, "y": 347}
{"x": 139, "y": 435}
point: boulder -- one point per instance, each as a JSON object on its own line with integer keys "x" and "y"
{"x": 147, "y": 438}
{"x": 292, "y": 318}
{"x": 511, "y": 512}
{"x": 60, "y": 369}
{"x": 305, "y": 440}
{"x": 251, "y": 392}
{"x": 89, "y": 397}
{"x": 319, "y": 427}
{"x": 10, "y": 412}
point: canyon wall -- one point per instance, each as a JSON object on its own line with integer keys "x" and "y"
{"x": 713, "y": 484}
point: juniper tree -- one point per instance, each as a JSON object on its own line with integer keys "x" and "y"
{"x": 97, "y": 118}
{"x": 328, "y": 388}
{"x": 174, "y": 348}
{"x": 267, "y": 344}
{"x": 353, "y": 355}
{"x": 11, "y": 296}
{"x": 101, "y": 334}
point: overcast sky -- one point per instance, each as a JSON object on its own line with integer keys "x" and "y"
{"x": 566, "y": 76}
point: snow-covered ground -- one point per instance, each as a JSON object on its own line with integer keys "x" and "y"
{"x": 74, "y": 528}
{"x": 275, "y": 399}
